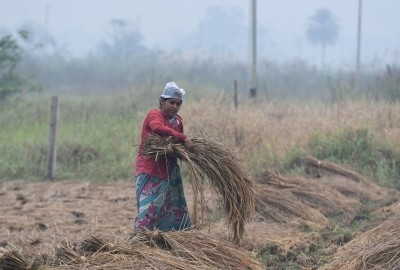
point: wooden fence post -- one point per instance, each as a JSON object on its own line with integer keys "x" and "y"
{"x": 52, "y": 154}
{"x": 235, "y": 95}
{"x": 236, "y": 105}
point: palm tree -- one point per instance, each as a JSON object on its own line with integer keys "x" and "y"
{"x": 323, "y": 30}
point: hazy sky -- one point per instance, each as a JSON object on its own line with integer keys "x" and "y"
{"x": 81, "y": 25}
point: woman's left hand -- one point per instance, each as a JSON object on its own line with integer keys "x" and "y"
{"x": 189, "y": 145}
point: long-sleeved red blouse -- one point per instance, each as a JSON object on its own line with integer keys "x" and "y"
{"x": 156, "y": 122}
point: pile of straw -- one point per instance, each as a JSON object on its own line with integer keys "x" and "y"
{"x": 314, "y": 193}
{"x": 278, "y": 181}
{"x": 358, "y": 187}
{"x": 144, "y": 249}
{"x": 212, "y": 162}
{"x": 14, "y": 260}
{"x": 281, "y": 206}
{"x": 101, "y": 252}
{"x": 95, "y": 253}
{"x": 378, "y": 248}
{"x": 196, "y": 247}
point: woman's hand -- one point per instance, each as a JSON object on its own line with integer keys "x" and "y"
{"x": 189, "y": 145}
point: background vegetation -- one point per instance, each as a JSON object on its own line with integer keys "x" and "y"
{"x": 300, "y": 110}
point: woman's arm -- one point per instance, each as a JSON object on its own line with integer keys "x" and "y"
{"x": 156, "y": 123}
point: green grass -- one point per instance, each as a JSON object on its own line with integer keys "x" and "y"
{"x": 359, "y": 148}
{"x": 98, "y": 137}
{"x": 363, "y": 150}
{"x": 94, "y": 142}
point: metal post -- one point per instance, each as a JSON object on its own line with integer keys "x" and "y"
{"x": 358, "y": 65}
{"x": 52, "y": 154}
{"x": 253, "y": 88}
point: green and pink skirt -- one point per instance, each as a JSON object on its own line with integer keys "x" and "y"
{"x": 161, "y": 203}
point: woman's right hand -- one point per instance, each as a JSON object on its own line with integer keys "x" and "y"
{"x": 189, "y": 145}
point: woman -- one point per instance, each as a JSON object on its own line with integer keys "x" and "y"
{"x": 161, "y": 201}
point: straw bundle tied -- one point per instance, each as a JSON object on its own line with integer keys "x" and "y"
{"x": 212, "y": 162}
{"x": 95, "y": 244}
{"x": 14, "y": 260}
{"x": 67, "y": 255}
{"x": 335, "y": 168}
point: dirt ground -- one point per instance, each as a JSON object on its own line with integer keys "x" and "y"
{"x": 48, "y": 212}
{"x": 37, "y": 217}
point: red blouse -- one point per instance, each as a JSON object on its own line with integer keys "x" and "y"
{"x": 156, "y": 122}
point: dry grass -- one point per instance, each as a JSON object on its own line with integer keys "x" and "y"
{"x": 315, "y": 193}
{"x": 264, "y": 132}
{"x": 144, "y": 250}
{"x": 336, "y": 193}
{"x": 213, "y": 162}
{"x": 39, "y": 216}
{"x": 378, "y": 248}
{"x": 355, "y": 190}
{"x": 195, "y": 246}
{"x": 281, "y": 206}
{"x": 94, "y": 221}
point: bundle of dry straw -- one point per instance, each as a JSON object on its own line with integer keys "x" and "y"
{"x": 314, "y": 193}
{"x": 199, "y": 248}
{"x": 213, "y": 162}
{"x": 14, "y": 260}
{"x": 281, "y": 206}
{"x": 319, "y": 165}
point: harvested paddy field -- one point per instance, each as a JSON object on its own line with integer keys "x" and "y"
{"x": 329, "y": 220}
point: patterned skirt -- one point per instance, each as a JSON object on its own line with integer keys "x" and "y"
{"x": 161, "y": 203}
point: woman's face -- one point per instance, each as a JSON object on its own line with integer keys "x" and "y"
{"x": 170, "y": 107}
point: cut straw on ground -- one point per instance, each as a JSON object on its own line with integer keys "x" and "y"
{"x": 378, "y": 248}
{"x": 143, "y": 249}
{"x": 195, "y": 246}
